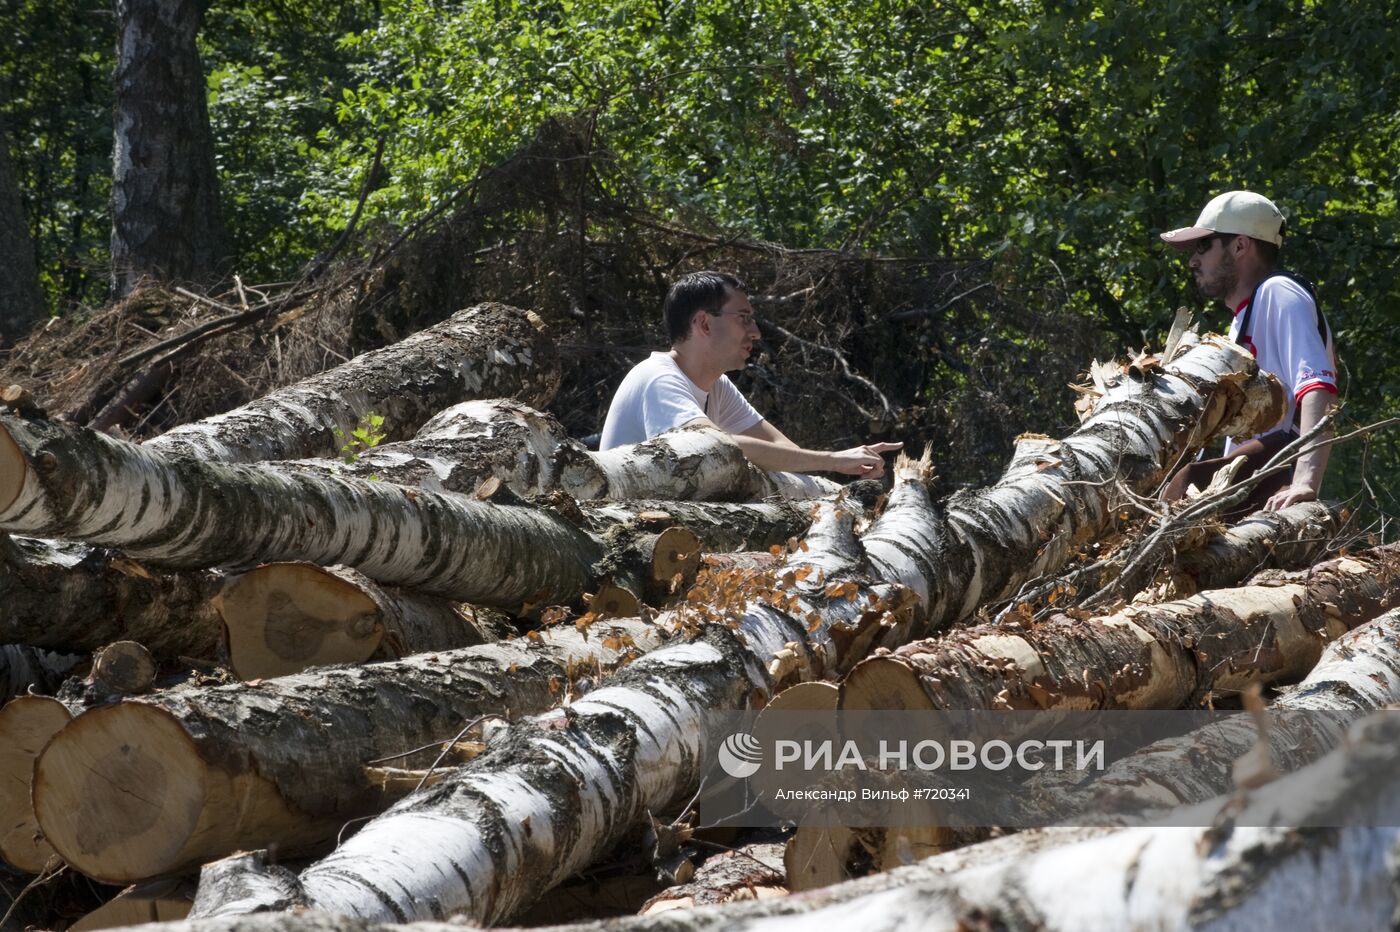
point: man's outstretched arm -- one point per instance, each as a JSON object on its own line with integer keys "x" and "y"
{"x": 1307, "y": 473}
{"x": 768, "y": 448}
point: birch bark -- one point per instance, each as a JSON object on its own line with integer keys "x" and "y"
{"x": 149, "y": 786}
{"x": 1359, "y": 674}
{"x": 563, "y": 787}
{"x": 1291, "y": 538}
{"x": 65, "y": 481}
{"x": 1225, "y": 874}
{"x": 65, "y": 596}
{"x": 1162, "y": 656}
{"x": 486, "y": 351}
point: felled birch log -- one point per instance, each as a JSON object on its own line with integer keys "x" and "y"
{"x": 699, "y": 464}
{"x": 1057, "y": 495}
{"x": 282, "y": 618}
{"x": 1359, "y": 674}
{"x": 1161, "y": 656}
{"x": 67, "y": 596}
{"x": 122, "y": 668}
{"x": 486, "y": 351}
{"x": 753, "y": 872}
{"x": 149, "y": 786}
{"x": 1291, "y": 538}
{"x": 25, "y": 669}
{"x": 1226, "y": 874}
{"x": 485, "y": 840}
{"x": 1244, "y": 867}
{"x": 531, "y": 453}
{"x": 528, "y": 451}
{"x": 555, "y": 791}
{"x": 64, "y": 481}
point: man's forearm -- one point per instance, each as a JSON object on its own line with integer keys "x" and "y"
{"x": 772, "y": 455}
{"x": 1311, "y": 465}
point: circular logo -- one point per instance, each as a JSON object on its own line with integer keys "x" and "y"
{"x": 740, "y": 755}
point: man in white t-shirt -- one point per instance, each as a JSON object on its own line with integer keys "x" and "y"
{"x": 1233, "y": 255}
{"x": 710, "y": 324}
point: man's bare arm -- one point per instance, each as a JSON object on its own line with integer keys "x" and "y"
{"x": 1308, "y": 471}
{"x": 768, "y": 448}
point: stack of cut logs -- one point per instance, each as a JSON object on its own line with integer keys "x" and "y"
{"x": 424, "y": 656}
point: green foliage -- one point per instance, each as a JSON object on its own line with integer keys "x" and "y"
{"x": 55, "y": 94}
{"x": 1060, "y": 137}
{"x": 365, "y": 436}
{"x": 274, "y": 72}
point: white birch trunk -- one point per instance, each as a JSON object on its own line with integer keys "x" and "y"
{"x": 283, "y": 618}
{"x": 1359, "y": 674}
{"x": 531, "y": 454}
{"x": 150, "y": 786}
{"x": 560, "y": 789}
{"x": 1161, "y": 656}
{"x": 699, "y": 464}
{"x": 65, "y": 481}
{"x": 1291, "y": 538}
{"x": 66, "y": 596}
{"x": 487, "y": 351}
{"x": 1057, "y": 495}
{"x": 1225, "y": 875}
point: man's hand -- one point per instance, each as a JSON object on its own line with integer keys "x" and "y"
{"x": 1290, "y": 495}
{"x": 866, "y": 462}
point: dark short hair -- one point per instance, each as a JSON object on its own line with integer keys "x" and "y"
{"x": 698, "y": 291}
{"x": 1268, "y": 252}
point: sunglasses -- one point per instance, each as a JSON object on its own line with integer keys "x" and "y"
{"x": 1204, "y": 244}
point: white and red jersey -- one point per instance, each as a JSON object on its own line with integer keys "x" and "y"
{"x": 1285, "y": 339}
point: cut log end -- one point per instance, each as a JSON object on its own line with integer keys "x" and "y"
{"x": 613, "y": 601}
{"x": 284, "y": 617}
{"x": 819, "y": 857}
{"x": 12, "y": 470}
{"x": 160, "y": 901}
{"x": 805, "y": 697}
{"x": 675, "y": 553}
{"x": 124, "y": 667}
{"x": 26, "y": 725}
{"x": 883, "y": 683}
{"x": 119, "y": 791}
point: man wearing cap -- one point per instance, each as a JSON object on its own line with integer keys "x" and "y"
{"x": 1233, "y": 255}
{"x": 710, "y": 322}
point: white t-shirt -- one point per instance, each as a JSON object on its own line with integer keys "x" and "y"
{"x": 1284, "y": 340}
{"x": 656, "y": 396}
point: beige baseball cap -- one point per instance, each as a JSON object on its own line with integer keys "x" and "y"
{"x": 1242, "y": 212}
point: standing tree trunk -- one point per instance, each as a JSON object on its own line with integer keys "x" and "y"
{"x": 166, "y": 218}
{"x": 558, "y": 790}
{"x": 21, "y": 299}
